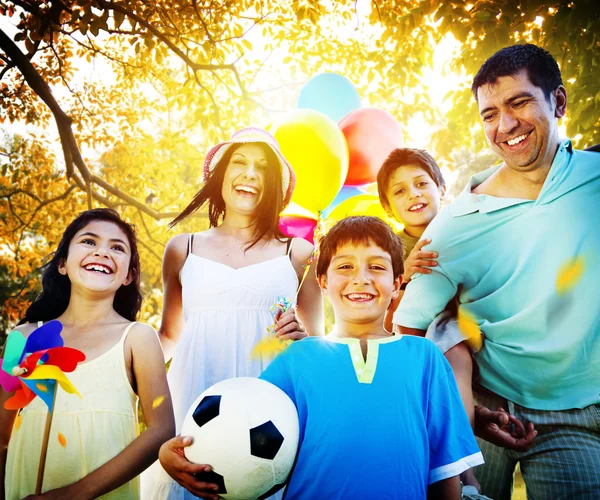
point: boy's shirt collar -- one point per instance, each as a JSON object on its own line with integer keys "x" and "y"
{"x": 468, "y": 202}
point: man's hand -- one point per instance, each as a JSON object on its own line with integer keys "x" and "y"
{"x": 503, "y": 429}
{"x": 419, "y": 261}
{"x": 183, "y": 471}
{"x": 288, "y": 326}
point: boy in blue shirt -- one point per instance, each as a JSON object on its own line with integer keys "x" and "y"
{"x": 380, "y": 414}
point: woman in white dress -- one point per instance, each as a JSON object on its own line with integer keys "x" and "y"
{"x": 220, "y": 284}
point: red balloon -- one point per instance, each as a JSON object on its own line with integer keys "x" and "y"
{"x": 372, "y": 134}
{"x": 300, "y": 227}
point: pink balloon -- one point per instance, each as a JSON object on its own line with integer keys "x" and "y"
{"x": 300, "y": 227}
{"x": 372, "y": 134}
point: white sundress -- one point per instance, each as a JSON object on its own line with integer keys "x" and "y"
{"x": 226, "y": 311}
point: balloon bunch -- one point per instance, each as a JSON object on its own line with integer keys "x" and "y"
{"x": 336, "y": 149}
{"x": 33, "y": 366}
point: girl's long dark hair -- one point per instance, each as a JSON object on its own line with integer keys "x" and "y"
{"x": 56, "y": 288}
{"x": 267, "y": 211}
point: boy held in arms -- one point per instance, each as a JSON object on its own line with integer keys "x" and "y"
{"x": 411, "y": 188}
{"x": 380, "y": 414}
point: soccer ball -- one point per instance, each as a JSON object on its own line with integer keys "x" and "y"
{"x": 247, "y": 430}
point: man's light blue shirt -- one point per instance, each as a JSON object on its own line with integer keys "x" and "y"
{"x": 528, "y": 271}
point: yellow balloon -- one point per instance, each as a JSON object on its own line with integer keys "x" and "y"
{"x": 315, "y": 146}
{"x": 363, "y": 204}
{"x": 294, "y": 209}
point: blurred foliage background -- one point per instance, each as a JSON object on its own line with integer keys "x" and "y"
{"x": 114, "y": 103}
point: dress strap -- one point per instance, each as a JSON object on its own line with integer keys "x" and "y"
{"x": 190, "y": 243}
{"x": 127, "y": 328}
{"x": 288, "y": 248}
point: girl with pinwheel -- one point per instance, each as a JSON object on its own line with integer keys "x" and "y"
{"x": 90, "y": 291}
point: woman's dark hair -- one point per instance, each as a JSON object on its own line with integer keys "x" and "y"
{"x": 268, "y": 209}
{"x": 56, "y": 288}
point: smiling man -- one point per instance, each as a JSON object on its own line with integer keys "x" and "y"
{"x": 521, "y": 243}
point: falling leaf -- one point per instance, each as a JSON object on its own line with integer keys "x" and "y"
{"x": 18, "y": 421}
{"x": 469, "y": 329}
{"x": 62, "y": 440}
{"x": 157, "y": 402}
{"x": 42, "y": 387}
{"x": 569, "y": 275}
{"x": 269, "y": 346}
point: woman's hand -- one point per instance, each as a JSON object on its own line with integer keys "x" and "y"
{"x": 183, "y": 471}
{"x": 288, "y": 326}
{"x": 419, "y": 261}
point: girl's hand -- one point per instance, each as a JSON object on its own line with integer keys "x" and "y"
{"x": 419, "y": 261}
{"x": 288, "y": 326}
{"x": 183, "y": 471}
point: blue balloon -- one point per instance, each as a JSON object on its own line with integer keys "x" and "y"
{"x": 344, "y": 193}
{"x": 331, "y": 94}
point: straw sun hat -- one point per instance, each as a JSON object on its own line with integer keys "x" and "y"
{"x": 255, "y": 135}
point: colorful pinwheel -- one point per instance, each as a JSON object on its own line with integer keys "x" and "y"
{"x": 33, "y": 366}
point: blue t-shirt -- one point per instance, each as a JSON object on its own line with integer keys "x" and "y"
{"x": 527, "y": 273}
{"x": 382, "y": 428}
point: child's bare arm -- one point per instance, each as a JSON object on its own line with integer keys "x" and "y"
{"x": 155, "y": 399}
{"x": 172, "y": 317}
{"x": 446, "y": 489}
{"x": 418, "y": 261}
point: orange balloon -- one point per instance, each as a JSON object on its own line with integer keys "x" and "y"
{"x": 372, "y": 134}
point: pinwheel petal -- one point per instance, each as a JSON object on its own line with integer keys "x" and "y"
{"x": 20, "y": 399}
{"x": 66, "y": 358}
{"x": 44, "y": 389}
{"x": 14, "y": 352}
{"x": 45, "y": 337}
{"x": 49, "y": 372}
{"x": 8, "y": 382}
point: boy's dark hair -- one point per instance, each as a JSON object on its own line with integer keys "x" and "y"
{"x": 360, "y": 230}
{"x": 542, "y": 69}
{"x": 402, "y": 157}
{"x": 56, "y": 288}
{"x": 595, "y": 148}
{"x": 267, "y": 211}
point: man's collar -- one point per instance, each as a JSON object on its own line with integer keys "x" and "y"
{"x": 468, "y": 202}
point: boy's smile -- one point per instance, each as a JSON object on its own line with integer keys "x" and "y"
{"x": 360, "y": 284}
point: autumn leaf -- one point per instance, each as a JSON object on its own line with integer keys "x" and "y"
{"x": 157, "y": 402}
{"x": 569, "y": 275}
{"x": 468, "y": 327}
{"x": 62, "y": 440}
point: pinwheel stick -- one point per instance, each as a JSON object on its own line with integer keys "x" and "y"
{"x": 44, "y": 451}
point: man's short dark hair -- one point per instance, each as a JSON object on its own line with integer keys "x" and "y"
{"x": 595, "y": 148}
{"x": 360, "y": 230}
{"x": 403, "y": 157}
{"x": 542, "y": 69}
